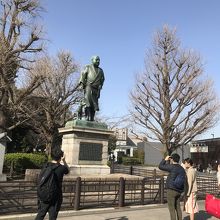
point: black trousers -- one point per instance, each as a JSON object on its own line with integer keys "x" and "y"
{"x": 52, "y": 208}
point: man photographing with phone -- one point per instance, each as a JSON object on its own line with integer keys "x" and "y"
{"x": 49, "y": 187}
{"x": 174, "y": 184}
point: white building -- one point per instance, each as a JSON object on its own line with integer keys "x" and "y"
{"x": 125, "y": 144}
{"x": 153, "y": 151}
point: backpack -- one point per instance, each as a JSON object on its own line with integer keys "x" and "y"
{"x": 180, "y": 181}
{"x": 48, "y": 186}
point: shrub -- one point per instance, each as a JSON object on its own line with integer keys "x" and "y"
{"x": 109, "y": 163}
{"x": 139, "y": 153}
{"x": 121, "y": 154}
{"x": 19, "y": 162}
{"x": 131, "y": 161}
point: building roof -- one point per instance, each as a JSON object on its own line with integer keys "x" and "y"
{"x": 133, "y": 141}
{"x": 4, "y": 137}
{"x": 206, "y": 140}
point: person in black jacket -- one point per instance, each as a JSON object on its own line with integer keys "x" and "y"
{"x": 170, "y": 164}
{"x": 53, "y": 207}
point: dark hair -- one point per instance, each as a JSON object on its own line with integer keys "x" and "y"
{"x": 189, "y": 160}
{"x": 56, "y": 154}
{"x": 175, "y": 157}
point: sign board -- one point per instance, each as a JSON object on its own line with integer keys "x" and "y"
{"x": 90, "y": 151}
{"x": 121, "y": 143}
{"x": 199, "y": 149}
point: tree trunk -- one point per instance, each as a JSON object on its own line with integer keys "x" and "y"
{"x": 48, "y": 149}
{"x": 2, "y": 121}
{"x": 52, "y": 142}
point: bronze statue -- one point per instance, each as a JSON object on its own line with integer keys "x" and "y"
{"x": 92, "y": 79}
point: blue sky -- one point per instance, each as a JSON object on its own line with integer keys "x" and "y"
{"x": 120, "y": 32}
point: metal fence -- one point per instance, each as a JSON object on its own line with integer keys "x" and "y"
{"x": 20, "y": 196}
{"x": 206, "y": 183}
{"x": 137, "y": 170}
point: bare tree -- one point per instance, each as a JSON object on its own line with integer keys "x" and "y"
{"x": 19, "y": 41}
{"x": 58, "y": 93}
{"x": 114, "y": 122}
{"x": 172, "y": 100}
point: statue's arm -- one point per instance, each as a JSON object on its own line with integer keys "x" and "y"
{"x": 102, "y": 79}
{"x": 83, "y": 77}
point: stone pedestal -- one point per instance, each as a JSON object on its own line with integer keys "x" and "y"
{"x": 2, "y": 155}
{"x": 85, "y": 145}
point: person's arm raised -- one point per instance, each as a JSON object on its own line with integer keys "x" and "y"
{"x": 164, "y": 165}
{"x": 65, "y": 163}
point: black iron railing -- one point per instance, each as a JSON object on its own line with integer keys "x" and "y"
{"x": 20, "y": 196}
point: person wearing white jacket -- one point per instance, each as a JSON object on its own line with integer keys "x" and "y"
{"x": 191, "y": 205}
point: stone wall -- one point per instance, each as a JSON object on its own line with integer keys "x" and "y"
{"x": 32, "y": 174}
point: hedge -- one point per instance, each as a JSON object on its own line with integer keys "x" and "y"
{"x": 131, "y": 161}
{"x": 19, "y": 162}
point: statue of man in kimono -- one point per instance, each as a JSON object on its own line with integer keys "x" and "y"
{"x": 92, "y": 79}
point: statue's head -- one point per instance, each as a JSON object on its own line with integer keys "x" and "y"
{"x": 95, "y": 60}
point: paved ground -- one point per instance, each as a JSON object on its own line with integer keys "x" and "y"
{"x": 148, "y": 212}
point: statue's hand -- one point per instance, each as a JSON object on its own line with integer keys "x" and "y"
{"x": 81, "y": 85}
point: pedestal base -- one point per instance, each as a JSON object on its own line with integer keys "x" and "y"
{"x": 79, "y": 170}
{"x": 3, "y": 177}
{"x": 85, "y": 145}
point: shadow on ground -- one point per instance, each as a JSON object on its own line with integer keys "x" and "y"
{"x": 201, "y": 215}
{"x": 118, "y": 218}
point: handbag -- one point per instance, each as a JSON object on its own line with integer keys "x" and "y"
{"x": 212, "y": 205}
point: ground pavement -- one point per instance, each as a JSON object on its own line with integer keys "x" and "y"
{"x": 147, "y": 212}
